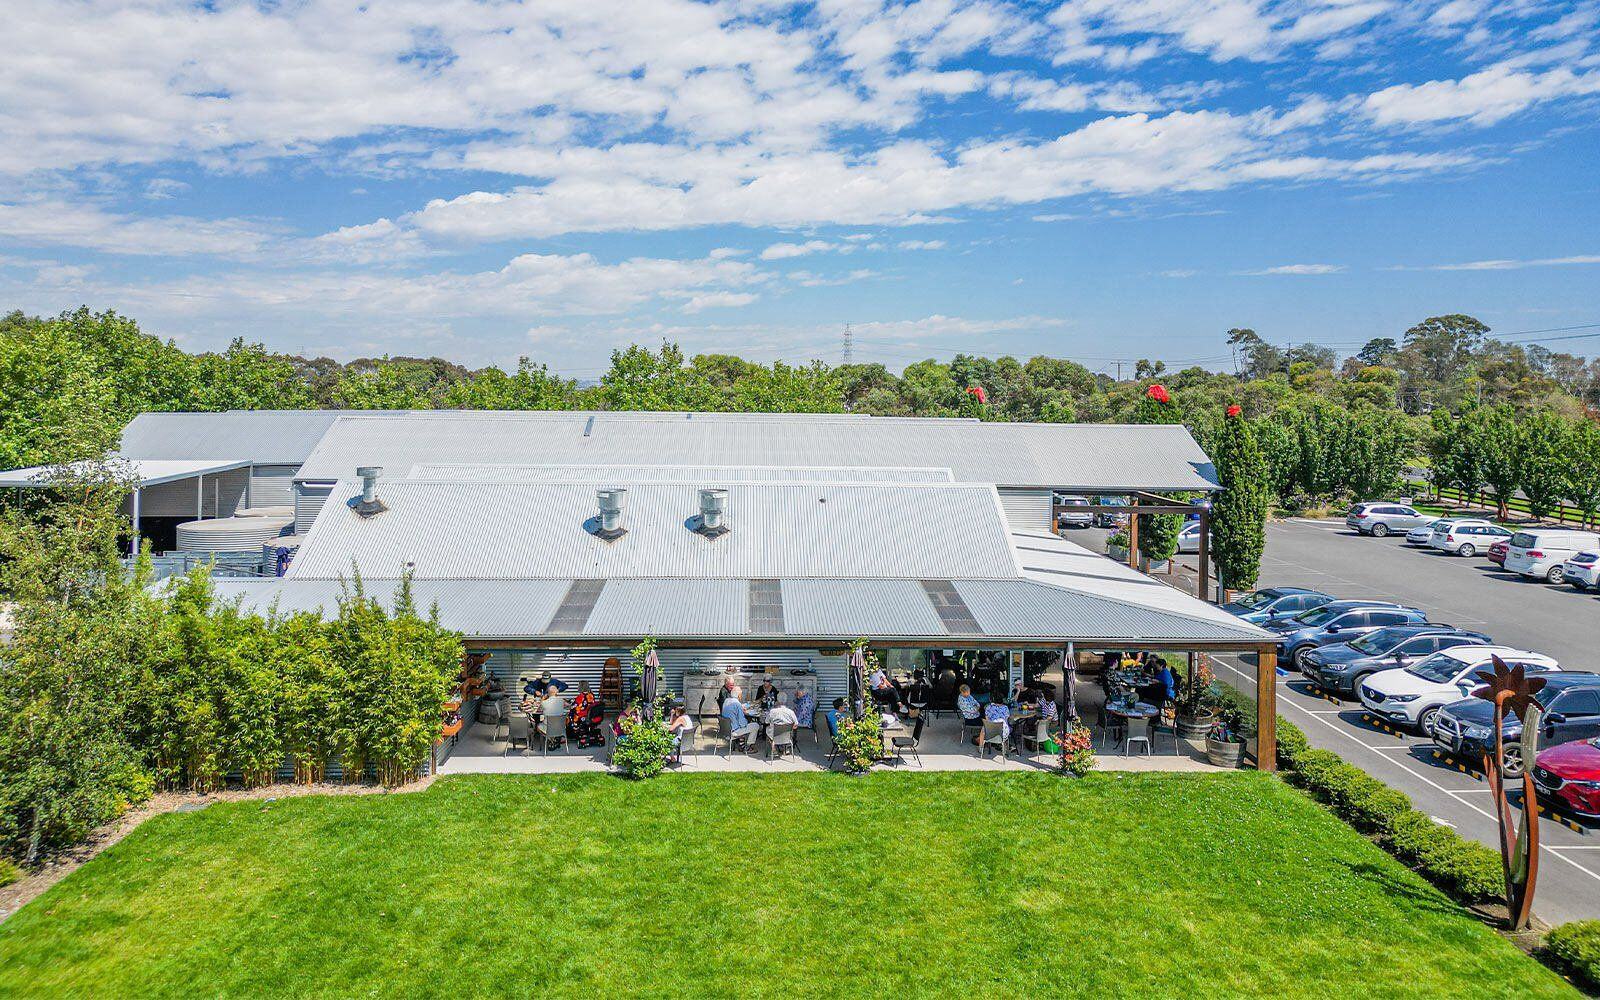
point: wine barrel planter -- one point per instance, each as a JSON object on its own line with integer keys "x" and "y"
{"x": 1119, "y": 553}
{"x": 1195, "y": 728}
{"x": 1222, "y": 754}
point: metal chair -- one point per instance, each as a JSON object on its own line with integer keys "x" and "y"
{"x": 994, "y": 735}
{"x": 780, "y": 735}
{"x": 1034, "y": 731}
{"x": 901, "y": 744}
{"x": 1112, "y": 728}
{"x": 555, "y": 728}
{"x": 1138, "y": 731}
{"x": 725, "y": 734}
{"x": 516, "y": 732}
{"x": 686, "y": 742}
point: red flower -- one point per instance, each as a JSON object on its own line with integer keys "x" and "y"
{"x": 1158, "y": 392}
{"x": 1234, "y": 410}
{"x": 976, "y": 392}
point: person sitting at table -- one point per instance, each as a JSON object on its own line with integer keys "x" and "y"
{"x": 544, "y": 682}
{"x": 832, "y": 715}
{"x": 766, "y": 694}
{"x": 805, "y": 708}
{"x": 579, "y": 726}
{"x": 885, "y": 695}
{"x": 679, "y": 723}
{"x": 971, "y": 713}
{"x": 1017, "y": 691}
{"x": 999, "y": 712}
{"x": 552, "y": 707}
{"x": 781, "y": 713}
{"x": 919, "y": 694}
{"x": 1167, "y": 679}
{"x": 722, "y": 692}
{"x": 879, "y": 676}
{"x": 744, "y": 730}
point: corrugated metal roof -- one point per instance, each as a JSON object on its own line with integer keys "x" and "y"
{"x": 481, "y": 608}
{"x": 1007, "y": 610}
{"x": 147, "y": 472}
{"x": 533, "y": 530}
{"x": 1082, "y": 456}
{"x": 265, "y": 437}
{"x": 700, "y": 474}
{"x": 858, "y": 607}
{"x": 671, "y": 607}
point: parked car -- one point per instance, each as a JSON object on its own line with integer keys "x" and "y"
{"x": 1540, "y": 552}
{"x": 1568, "y": 777}
{"x": 1570, "y": 702}
{"x": 1413, "y": 696}
{"x": 1111, "y": 512}
{"x": 1341, "y": 667}
{"x": 1189, "y": 537}
{"x": 1420, "y": 535}
{"x": 1380, "y": 518}
{"x": 1335, "y": 622}
{"x": 1467, "y": 537}
{"x": 1497, "y": 552}
{"x": 1582, "y": 570}
{"x": 1275, "y": 602}
{"x": 1073, "y": 512}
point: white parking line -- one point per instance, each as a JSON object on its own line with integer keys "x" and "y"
{"x": 1414, "y": 773}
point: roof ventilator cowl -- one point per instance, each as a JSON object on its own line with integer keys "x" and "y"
{"x": 368, "y": 504}
{"x": 608, "y": 525}
{"x": 712, "y": 521}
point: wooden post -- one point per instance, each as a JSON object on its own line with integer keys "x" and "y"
{"x": 1205, "y": 555}
{"x": 1267, "y": 708}
{"x": 1133, "y": 532}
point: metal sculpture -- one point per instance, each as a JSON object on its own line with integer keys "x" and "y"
{"x": 1509, "y": 689}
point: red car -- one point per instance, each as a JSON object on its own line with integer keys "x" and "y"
{"x": 1497, "y": 553}
{"x": 1568, "y": 776}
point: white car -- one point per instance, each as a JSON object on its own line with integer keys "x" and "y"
{"x": 1189, "y": 537}
{"x": 1423, "y": 533}
{"x": 1073, "y": 511}
{"x": 1467, "y": 538}
{"x": 1582, "y": 570}
{"x": 1540, "y": 552}
{"x": 1412, "y": 696}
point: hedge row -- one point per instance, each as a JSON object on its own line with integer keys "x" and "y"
{"x": 1464, "y": 868}
{"x": 1575, "y": 948}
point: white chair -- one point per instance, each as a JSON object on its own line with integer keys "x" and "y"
{"x": 994, "y": 735}
{"x": 516, "y": 732}
{"x": 555, "y": 729}
{"x": 781, "y": 735}
{"x": 686, "y": 743}
{"x": 1138, "y": 732}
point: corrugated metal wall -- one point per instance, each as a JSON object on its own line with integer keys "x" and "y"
{"x": 308, "y": 500}
{"x": 1026, "y": 508}
{"x": 221, "y": 494}
{"x": 272, "y": 485}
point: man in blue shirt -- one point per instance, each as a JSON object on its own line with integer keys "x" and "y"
{"x": 733, "y": 711}
{"x": 1167, "y": 679}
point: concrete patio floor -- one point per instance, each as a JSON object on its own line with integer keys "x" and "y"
{"x": 478, "y": 753}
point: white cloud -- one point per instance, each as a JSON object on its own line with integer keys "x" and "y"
{"x": 784, "y": 251}
{"x": 1482, "y": 98}
{"x": 58, "y": 223}
{"x": 1508, "y": 264}
{"x": 920, "y": 245}
{"x": 1101, "y": 30}
{"x": 163, "y": 188}
{"x": 1301, "y": 269}
{"x": 718, "y": 300}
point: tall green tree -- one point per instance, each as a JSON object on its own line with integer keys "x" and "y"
{"x": 1542, "y": 441}
{"x": 1158, "y": 533}
{"x": 1239, "y": 516}
{"x": 1583, "y": 466}
{"x": 1493, "y": 430}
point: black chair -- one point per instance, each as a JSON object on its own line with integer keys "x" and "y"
{"x": 901, "y": 744}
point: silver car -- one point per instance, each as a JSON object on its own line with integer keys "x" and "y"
{"x": 1073, "y": 511}
{"x": 1381, "y": 517}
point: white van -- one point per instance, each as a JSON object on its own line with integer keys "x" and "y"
{"x": 1540, "y": 552}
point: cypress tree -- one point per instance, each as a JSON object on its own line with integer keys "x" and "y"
{"x": 1239, "y": 516}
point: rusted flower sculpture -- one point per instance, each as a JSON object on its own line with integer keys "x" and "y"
{"x": 1509, "y": 689}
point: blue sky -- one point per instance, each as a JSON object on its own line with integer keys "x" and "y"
{"x": 1096, "y": 179}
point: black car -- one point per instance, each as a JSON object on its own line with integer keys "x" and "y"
{"x": 1340, "y": 667}
{"x": 1570, "y": 701}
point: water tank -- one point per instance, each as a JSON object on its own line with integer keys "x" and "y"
{"x": 278, "y": 553}
{"x": 287, "y": 510}
{"x": 231, "y": 534}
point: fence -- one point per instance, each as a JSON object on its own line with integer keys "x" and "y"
{"x": 1562, "y": 513}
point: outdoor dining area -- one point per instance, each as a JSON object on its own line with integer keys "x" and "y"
{"x": 957, "y": 712}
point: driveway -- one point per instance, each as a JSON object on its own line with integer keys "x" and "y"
{"x": 1472, "y": 593}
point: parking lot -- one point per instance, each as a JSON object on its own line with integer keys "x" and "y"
{"x": 1471, "y": 593}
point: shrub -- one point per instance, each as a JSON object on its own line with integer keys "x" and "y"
{"x": 1292, "y": 743}
{"x": 9, "y": 872}
{"x": 860, "y": 741}
{"x": 1358, "y": 798}
{"x": 1462, "y": 867}
{"x": 643, "y": 749}
{"x": 1077, "y": 750}
{"x": 1575, "y": 947}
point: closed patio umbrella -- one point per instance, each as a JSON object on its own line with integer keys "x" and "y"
{"x": 858, "y": 666}
{"x": 1069, "y": 681}
{"x": 652, "y": 665}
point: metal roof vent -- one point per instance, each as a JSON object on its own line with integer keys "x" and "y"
{"x": 608, "y": 526}
{"x": 713, "y": 519}
{"x": 368, "y": 504}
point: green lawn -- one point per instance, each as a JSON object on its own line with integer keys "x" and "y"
{"x": 967, "y": 885}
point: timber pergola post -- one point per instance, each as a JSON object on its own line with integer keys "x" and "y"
{"x": 1267, "y": 708}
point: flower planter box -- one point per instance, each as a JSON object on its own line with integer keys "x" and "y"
{"x": 1117, "y": 552}
{"x": 1222, "y": 754}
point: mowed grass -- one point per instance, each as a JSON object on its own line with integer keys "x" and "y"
{"x": 895, "y": 884}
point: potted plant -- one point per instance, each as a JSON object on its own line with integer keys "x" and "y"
{"x": 1225, "y": 741}
{"x": 1197, "y": 700}
{"x": 1117, "y": 546}
{"x": 643, "y": 748}
{"x": 1077, "y": 751}
{"x": 859, "y": 742}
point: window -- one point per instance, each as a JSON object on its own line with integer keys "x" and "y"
{"x": 1420, "y": 646}
{"x": 1578, "y": 703}
{"x": 1387, "y": 617}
